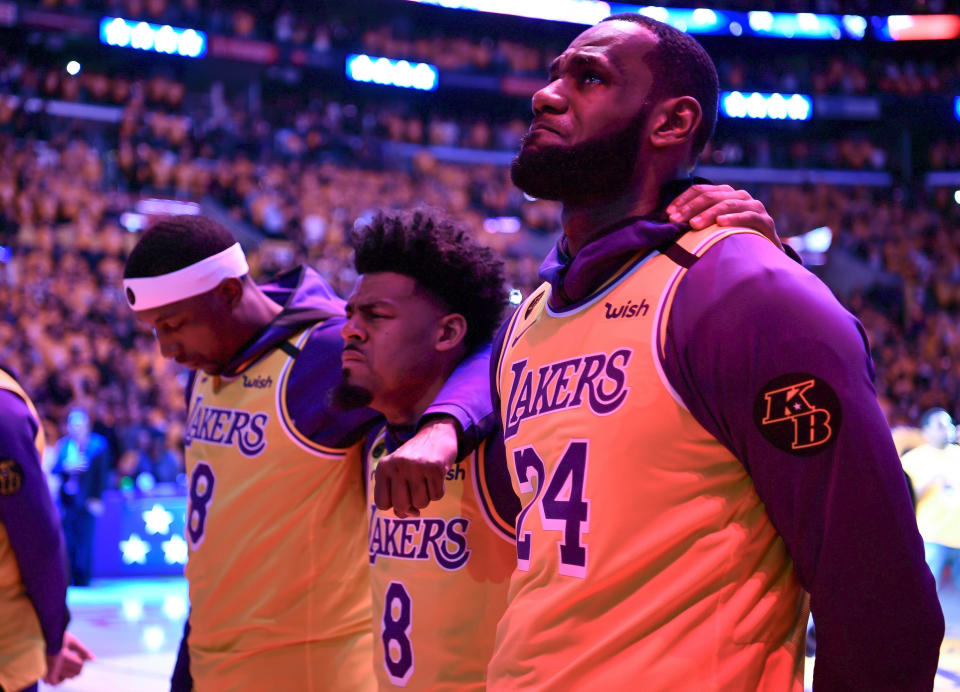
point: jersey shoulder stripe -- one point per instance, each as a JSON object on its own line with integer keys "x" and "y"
{"x": 697, "y": 244}
{"x": 494, "y": 489}
{"x": 285, "y": 419}
{"x": 516, "y": 323}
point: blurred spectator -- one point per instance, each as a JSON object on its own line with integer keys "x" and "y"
{"x": 82, "y": 464}
{"x": 153, "y": 457}
{"x": 934, "y": 469}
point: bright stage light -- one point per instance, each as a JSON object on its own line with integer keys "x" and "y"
{"x": 166, "y": 39}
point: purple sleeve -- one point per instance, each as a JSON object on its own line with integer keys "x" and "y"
{"x": 314, "y": 374}
{"x": 769, "y": 363}
{"x": 32, "y": 523}
{"x": 466, "y": 398}
{"x": 505, "y": 503}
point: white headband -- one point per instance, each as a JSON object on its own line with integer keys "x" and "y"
{"x": 205, "y": 275}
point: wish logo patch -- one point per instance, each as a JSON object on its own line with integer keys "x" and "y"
{"x": 798, "y": 413}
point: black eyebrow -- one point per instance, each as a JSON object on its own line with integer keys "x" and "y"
{"x": 581, "y": 60}
{"x": 369, "y": 304}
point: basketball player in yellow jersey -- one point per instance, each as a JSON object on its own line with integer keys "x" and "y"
{"x": 689, "y": 421}
{"x": 278, "y": 571}
{"x": 934, "y": 468}
{"x": 429, "y": 296}
{"x": 33, "y": 568}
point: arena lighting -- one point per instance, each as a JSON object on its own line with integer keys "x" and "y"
{"x": 956, "y": 107}
{"x": 956, "y": 196}
{"x": 154, "y": 638}
{"x": 515, "y": 297}
{"x": 124, "y": 33}
{"x": 735, "y": 104}
{"x": 502, "y": 224}
{"x": 73, "y": 68}
{"x": 813, "y": 245}
{"x": 917, "y": 27}
{"x": 161, "y": 207}
{"x": 691, "y": 20}
{"x": 698, "y": 21}
{"x": 587, "y": 12}
{"x": 398, "y": 73}
{"x": 796, "y": 25}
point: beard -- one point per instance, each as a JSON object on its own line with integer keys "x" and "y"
{"x": 348, "y": 397}
{"x": 599, "y": 167}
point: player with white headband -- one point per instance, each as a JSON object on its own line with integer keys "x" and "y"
{"x": 276, "y": 520}
{"x": 156, "y": 291}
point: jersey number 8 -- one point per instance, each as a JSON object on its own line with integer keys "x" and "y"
{"x": 202, "y": 482}
{"x": 397, "y": 622}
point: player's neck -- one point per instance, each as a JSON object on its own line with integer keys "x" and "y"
{"x": 584, "y": 222}
{"x": 257, "y": 312}
{"x": 406, "y": 408}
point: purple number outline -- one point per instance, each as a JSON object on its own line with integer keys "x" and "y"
{"x": 554, "y": 513}
{"x": 199, "y": 503}
{"x": 388, "y": 632}
{"x": 525, "y": 458}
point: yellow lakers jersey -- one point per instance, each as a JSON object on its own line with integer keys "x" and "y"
{"x": 645, "y": 556}
{"x": 279, "y": 587}
{"x": 22, "y": 648}
{"x": 936, "y": 479}
{"x": 439, "y": 580}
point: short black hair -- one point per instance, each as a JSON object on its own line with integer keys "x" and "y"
{"x": 680, "y": 67}
{"x": 443, "y": 258}
{"x": 176, "y": 242}
{"x": 929, "y": 414}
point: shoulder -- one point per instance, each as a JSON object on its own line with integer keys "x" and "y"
{"x": 746, "y": 282}
{"x": 17, "y": 423}
{"x": 322, "y": 343}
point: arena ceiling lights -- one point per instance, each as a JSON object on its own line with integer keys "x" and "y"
{"x": 388, "y": 72}
{"x": 694, "y": 21}
{"x": 125, "y": 33}
{"x": 735, "y": 104}
{"x": 904, "y": 27}
{"x": 917, "y": 27}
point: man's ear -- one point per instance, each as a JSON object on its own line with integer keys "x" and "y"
{"x": 230, "y": 292}
{"x": 451, "y": 332}
{"x": 675, "y": 121}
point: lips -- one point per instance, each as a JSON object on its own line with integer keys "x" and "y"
{"x": 351, "y": 354}
{"x": 542, "y": 127}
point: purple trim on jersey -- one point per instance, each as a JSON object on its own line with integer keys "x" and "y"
{"x": 573, "y": 280}
{"x": 32, "y": 523}
{"x": 562, "y": 308}
{"x": 307, "y": 299}
{"x": 506, "y": 505}
{"x": 496, "y": 479}
{"x": 744, "y": 316}
{"x": 844, "y": 512}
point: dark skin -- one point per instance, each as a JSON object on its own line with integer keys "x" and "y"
{"x": 401, "y": 345}
{"x": 599, "y": 83}
{"x": 205, "y": 332}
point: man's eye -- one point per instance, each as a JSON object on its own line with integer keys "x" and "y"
{"x": 591, "y": 78}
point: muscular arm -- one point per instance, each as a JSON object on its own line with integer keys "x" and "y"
{"x": 743, "y": 340}
{"x": 31, "y": 521}
{"x": 465, "y": 398}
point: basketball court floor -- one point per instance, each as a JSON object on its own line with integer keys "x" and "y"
{"x": 134, "y": 627}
